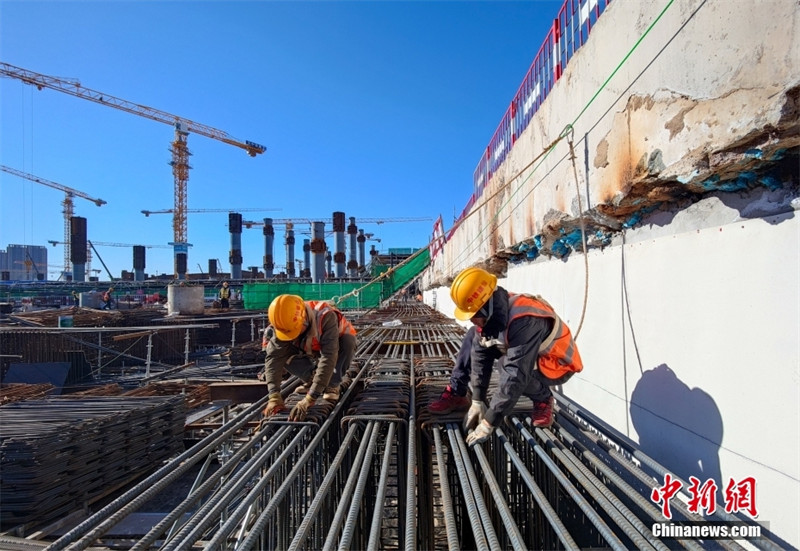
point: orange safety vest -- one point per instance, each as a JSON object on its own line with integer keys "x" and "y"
{"x": 323, "y": 308}
{"x": 558, "y": 353}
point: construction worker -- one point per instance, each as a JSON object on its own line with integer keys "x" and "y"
{"x": 311, "y": 340}
{"x": 224, "y": 296}
{"x": 534, "y": 347}
{"x": 108, "y": 300}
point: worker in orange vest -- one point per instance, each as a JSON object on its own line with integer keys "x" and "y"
{"x": 534, "y": 347}
{"x": 311, "y": 340}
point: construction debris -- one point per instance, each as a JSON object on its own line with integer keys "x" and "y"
{"x": 15, "y": 392}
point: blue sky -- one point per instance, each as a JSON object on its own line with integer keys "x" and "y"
{"x": 378, "y": 109}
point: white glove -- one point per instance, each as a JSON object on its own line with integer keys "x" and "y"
{"x": 481, "y": 433}
{"x": 475, "y": 415}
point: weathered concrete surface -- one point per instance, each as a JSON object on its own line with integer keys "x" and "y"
{"x": 688, "y": 170}
{"x": 708, "y": 101}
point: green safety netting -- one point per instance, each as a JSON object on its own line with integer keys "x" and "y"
{"x": 356, "y": 295}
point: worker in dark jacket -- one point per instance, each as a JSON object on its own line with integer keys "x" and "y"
{"x": 534, "y": 347}
{"x": 311, "y": 340}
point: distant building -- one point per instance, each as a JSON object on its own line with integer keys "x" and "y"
{"x": 23, "y": 263}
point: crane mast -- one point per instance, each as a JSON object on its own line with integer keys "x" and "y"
{"x": 179, "y": 148}
{"x": 67, "y": 203}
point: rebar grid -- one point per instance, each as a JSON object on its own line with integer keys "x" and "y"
{"x": 376, "y": 470}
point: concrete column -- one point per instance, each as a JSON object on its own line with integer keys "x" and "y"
{"x": 235, "y": 227}
{"x": 352, "y": 264}
{"x": 138, "y": 262}
{"x": 269, "y": 241}
{"x": 362, "y": 241}
{"x": 318, "y": 248}
{"x": 289, "y": 250}
{"x": 339, "y": 255}
{"x": 77, "y": 239}
{"x": 306, "y": 259}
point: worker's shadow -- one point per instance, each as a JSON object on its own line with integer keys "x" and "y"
{"x": 678, "y": 426}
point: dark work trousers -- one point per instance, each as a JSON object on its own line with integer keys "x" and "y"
{"x": 537, "y": 390}
{"x": 303, "y": 368}
{"x": 459, "y": 378}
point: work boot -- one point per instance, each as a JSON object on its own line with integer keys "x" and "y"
{"x": 331, "y": 394}
{"x": 542, "y": 415}
{"x": 303, "y": 388}
{"x": 448, "y": 402}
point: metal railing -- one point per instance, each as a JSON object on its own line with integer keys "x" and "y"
{"x": 569, "y": 31}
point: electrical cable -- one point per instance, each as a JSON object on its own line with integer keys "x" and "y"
{"x": 546, "y": 152}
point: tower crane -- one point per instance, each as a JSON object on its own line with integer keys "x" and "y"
{"x": 66, "y": 203}
{"x": 199, "y": 211}
{"x": 179, "y": 148}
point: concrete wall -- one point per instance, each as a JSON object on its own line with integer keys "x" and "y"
{"x": 708, "y": 100}
{"x": 690, "y": 343}
{"x": 688, "y": 170}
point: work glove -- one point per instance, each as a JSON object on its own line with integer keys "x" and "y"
{"x": 275, "y": 405}
{"x": 481, "y": 433}
{"x": 475, "y": 415}
{"x": 300, "y": 411}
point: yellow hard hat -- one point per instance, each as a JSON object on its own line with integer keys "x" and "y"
{"x": 287, "y": 314}
{"x": 471, "y": 289}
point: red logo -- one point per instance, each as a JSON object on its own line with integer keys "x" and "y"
{"x": 663, "y": 494}
{"x": 703, "y": 497}
{"x": 739, "y": 496}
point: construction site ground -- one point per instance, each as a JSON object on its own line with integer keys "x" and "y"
{"x": 154, "y": 439}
